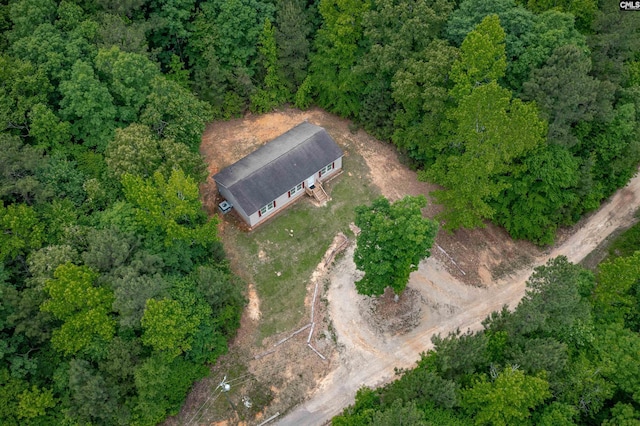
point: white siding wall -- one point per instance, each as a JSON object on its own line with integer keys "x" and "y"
{"x": 281, "y": 202}
{"x": 230, "y": 198}
{"x": 337, "y": 166}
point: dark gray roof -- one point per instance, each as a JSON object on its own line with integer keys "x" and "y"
{"x": 279, "y": 165}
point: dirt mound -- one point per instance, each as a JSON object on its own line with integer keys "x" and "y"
{"x": 387, "y": 316}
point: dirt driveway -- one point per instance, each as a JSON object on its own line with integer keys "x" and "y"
{"x": 470, "y": 274}
{"x": 368, "y": 357}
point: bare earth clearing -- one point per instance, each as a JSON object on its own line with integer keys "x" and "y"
{"x": 470, "y": 274}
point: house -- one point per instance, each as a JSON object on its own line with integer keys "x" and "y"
{"x": 280, "y": 172}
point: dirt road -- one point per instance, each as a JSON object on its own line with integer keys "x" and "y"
{"x": 368, "y": 357}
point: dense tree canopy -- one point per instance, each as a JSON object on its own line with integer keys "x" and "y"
{"x": 115, "y": 292}
{"x": 83, "y": 308}
{"x": 506, "y": 400}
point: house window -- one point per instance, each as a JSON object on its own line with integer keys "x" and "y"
{"x": 296, "y": 189}
{"x": 267, "y": 208}
{"x": 326, "y": 169}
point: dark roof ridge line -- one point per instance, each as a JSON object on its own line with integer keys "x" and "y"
{"x": 275, "y": 159}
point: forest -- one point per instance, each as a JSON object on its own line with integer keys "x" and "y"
{"x": 115, "y": 290}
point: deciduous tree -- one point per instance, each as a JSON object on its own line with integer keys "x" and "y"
{"x": 49, "y": 132}
{"x": 128, "y": 76}
{"x": 394, "y": 238}
{"x": 550, "y": 30}
{"x": 83, "y": 308}
{"x": 162, "y": 386}
{"x": 169, "y": 27}
{"x": 137, "y": 151}
{"x": 57, "y": 216}
{"x": 168, "y": 327}
{"x": 617, "y": 348}
{"x": 88, "y": 106}
{"x": 133, "y": 150}
{"x": 612, "y": 146}
{"x": 26, "y": 15}
{"x": 482, "y": 58}
{"x": 22, "y": 86}
{"x": 421, "y": 92}
{"x": 21, "y": 231}
{"x": 584, "y": 10}
{"x": 337, "y": 51}
{"x": 518, "y": 24}
{"x": 491, "y": 132}
{"x": 35, "y": 402}
{"x": 171, "y": 207}
{"x": 507, "y": 400}
{"x": 623, "y": 415}
{"x": 470, "y": 13}
{"x": 173, "y": 112}
{"x": 616, "y": 295}
{"x": 536, "y": 196}
{"x": 55, "y": 51}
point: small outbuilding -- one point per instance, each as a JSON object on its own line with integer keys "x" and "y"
{"x": 280, "y": 172}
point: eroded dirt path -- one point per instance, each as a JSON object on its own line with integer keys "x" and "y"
{"x": 369, "y": 358}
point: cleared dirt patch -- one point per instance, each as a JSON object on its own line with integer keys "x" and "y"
{"x": 388, "y": 316}
{"x": 253, "y": 307}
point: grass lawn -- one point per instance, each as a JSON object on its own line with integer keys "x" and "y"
{"x": 622, "y": 242}
{"x": 279, "y": 264}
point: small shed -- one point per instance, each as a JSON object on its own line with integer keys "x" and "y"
{"x": 280, "y": 172}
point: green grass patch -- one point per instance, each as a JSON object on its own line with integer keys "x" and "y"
{"x": 627, "y": 243}
{"x": 280, "y": 265}
{"x": 621, "y": 243}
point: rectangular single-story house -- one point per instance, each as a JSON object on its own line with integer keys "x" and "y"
{"x": 279, "y": 172}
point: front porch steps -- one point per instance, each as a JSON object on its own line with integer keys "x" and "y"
{"x": 319, "y": 193}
